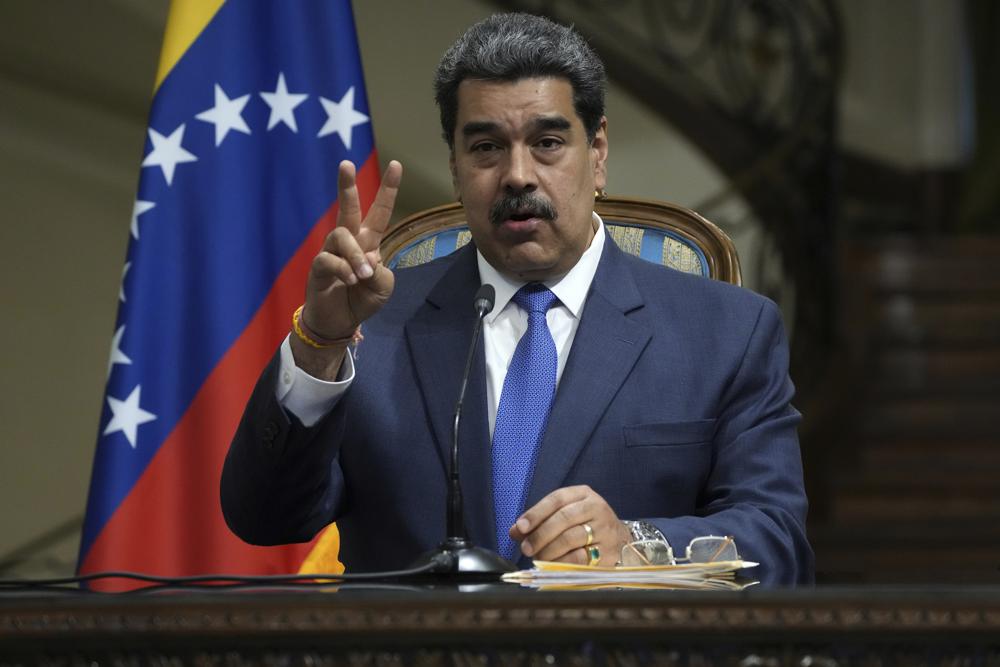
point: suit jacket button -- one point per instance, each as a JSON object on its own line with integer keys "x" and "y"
{"x": 270, "y": 432}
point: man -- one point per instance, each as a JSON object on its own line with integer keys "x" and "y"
{"x": 613, "y": 399}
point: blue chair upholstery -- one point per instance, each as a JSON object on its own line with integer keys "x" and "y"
{"x": 659, "y": 232}
{"x": 660, "y": 246}
{"x": 425, "y": 249}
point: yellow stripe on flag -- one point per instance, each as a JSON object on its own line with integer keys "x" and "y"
{"x": 186, "y": 21}
{"x": 324, "y": 557}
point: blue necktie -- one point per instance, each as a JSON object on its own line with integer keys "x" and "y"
{"x": 523, "y": 412}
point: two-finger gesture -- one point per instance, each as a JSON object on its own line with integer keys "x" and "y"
{"x": 347, "y": 282}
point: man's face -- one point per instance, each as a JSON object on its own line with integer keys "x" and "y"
{"x": 526, "y": 174}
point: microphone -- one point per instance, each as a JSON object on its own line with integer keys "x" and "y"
{"x": 485, "y": 298}
{"x": 456, "y": 555}
{"x": 483, "y": 304}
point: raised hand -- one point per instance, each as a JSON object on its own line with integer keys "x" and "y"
{"x": 347, "y": 282}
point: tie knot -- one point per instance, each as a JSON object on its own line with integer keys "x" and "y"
{"x": 535, "y": 298}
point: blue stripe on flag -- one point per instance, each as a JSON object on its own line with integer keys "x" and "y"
{"x": 221, "y": 231}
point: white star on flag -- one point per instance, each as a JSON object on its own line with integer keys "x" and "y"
{"x": 226, "y": 115}
{"x": 121, "y": 288}
{"x": 341, "y": 117}
{"x": 167, "y": 152}
{"x": 283, "y": 104}
{"x": 117, "y": 356}
{"x": 137, "y": 210}
{"x": 127, "y": 415}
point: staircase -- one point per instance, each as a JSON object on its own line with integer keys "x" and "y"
{"x": 913, "y": 475}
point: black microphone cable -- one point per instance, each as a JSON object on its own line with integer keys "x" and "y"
{"x": 210, "y": 581}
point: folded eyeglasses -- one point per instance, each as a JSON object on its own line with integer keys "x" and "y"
{"x": 707, "y": 549}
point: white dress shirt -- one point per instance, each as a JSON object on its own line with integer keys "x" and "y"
{"x": 309, "y": 398}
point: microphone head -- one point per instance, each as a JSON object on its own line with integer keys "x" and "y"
{"x": 485, "y": 298}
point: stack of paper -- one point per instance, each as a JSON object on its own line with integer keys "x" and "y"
{"x": 720, "y": 575}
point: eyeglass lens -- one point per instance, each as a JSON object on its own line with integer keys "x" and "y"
{"x": 710, "y": 549}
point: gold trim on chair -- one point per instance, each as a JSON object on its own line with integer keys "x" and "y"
{"x": 628, "y": 239}
{"x": 622, "y": 215}
{"x": 420, "y": 225}
{"x": 718, "y": 248}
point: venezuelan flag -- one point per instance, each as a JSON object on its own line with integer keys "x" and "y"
{"x": 256, "y": 103}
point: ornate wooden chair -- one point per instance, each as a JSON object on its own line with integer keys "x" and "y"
{"x": 657, "y": 231}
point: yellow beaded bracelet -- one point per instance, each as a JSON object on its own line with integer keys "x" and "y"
{"x": 312, "y": 340}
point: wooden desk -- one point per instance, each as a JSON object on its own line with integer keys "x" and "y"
{"x": 755, "y": 628}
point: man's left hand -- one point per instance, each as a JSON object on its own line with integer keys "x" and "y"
{"x": 553, "y": 529}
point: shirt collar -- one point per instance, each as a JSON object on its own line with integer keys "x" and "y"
{"x": 571, "y": 289}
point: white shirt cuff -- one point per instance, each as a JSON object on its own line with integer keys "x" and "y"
{"x": 305, "y": 396}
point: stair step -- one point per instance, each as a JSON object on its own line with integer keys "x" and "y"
{"x": 914, "y": 551}
{"x": 971, "y": 530}
{"x": 944, "y": 505}
{"x": 874, "y": 563}
{"x": 915, "y": 384}
{"x": 956, "y": 319}
{"x": 948, "y": 479}
{"x": 938, "y": 454}
{"x": 935, "y": 372}
{"x": 960, "y": 417}
{"x": 965, "y": 265}
{"x": 937, "y": 364}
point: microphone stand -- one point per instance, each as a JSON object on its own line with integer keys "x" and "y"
{"x": 456, "y": 556}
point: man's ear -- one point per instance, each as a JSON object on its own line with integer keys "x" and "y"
{"x": 599, "y": 154}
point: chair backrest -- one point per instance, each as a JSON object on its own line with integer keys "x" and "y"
{"x": 657, "y": 231}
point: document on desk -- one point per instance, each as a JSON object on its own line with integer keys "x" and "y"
{"x": 719, "y": 575}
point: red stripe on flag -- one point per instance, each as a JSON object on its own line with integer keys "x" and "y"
{"x": 171, "y": 522}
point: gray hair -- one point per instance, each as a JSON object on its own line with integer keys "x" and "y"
{"x": 508, "y": 47}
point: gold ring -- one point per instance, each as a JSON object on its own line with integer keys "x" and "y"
{"x": 590, "y": 534}
{"x": 593, "y": 554}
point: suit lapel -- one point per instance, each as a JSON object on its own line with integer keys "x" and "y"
{"x": 606, "y": 347}
{"x": 438, "y": 336}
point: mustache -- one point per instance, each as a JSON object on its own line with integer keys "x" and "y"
{"x": 522, "y": 202}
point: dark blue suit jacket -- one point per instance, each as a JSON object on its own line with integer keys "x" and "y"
{"x": 673, "y": 406}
